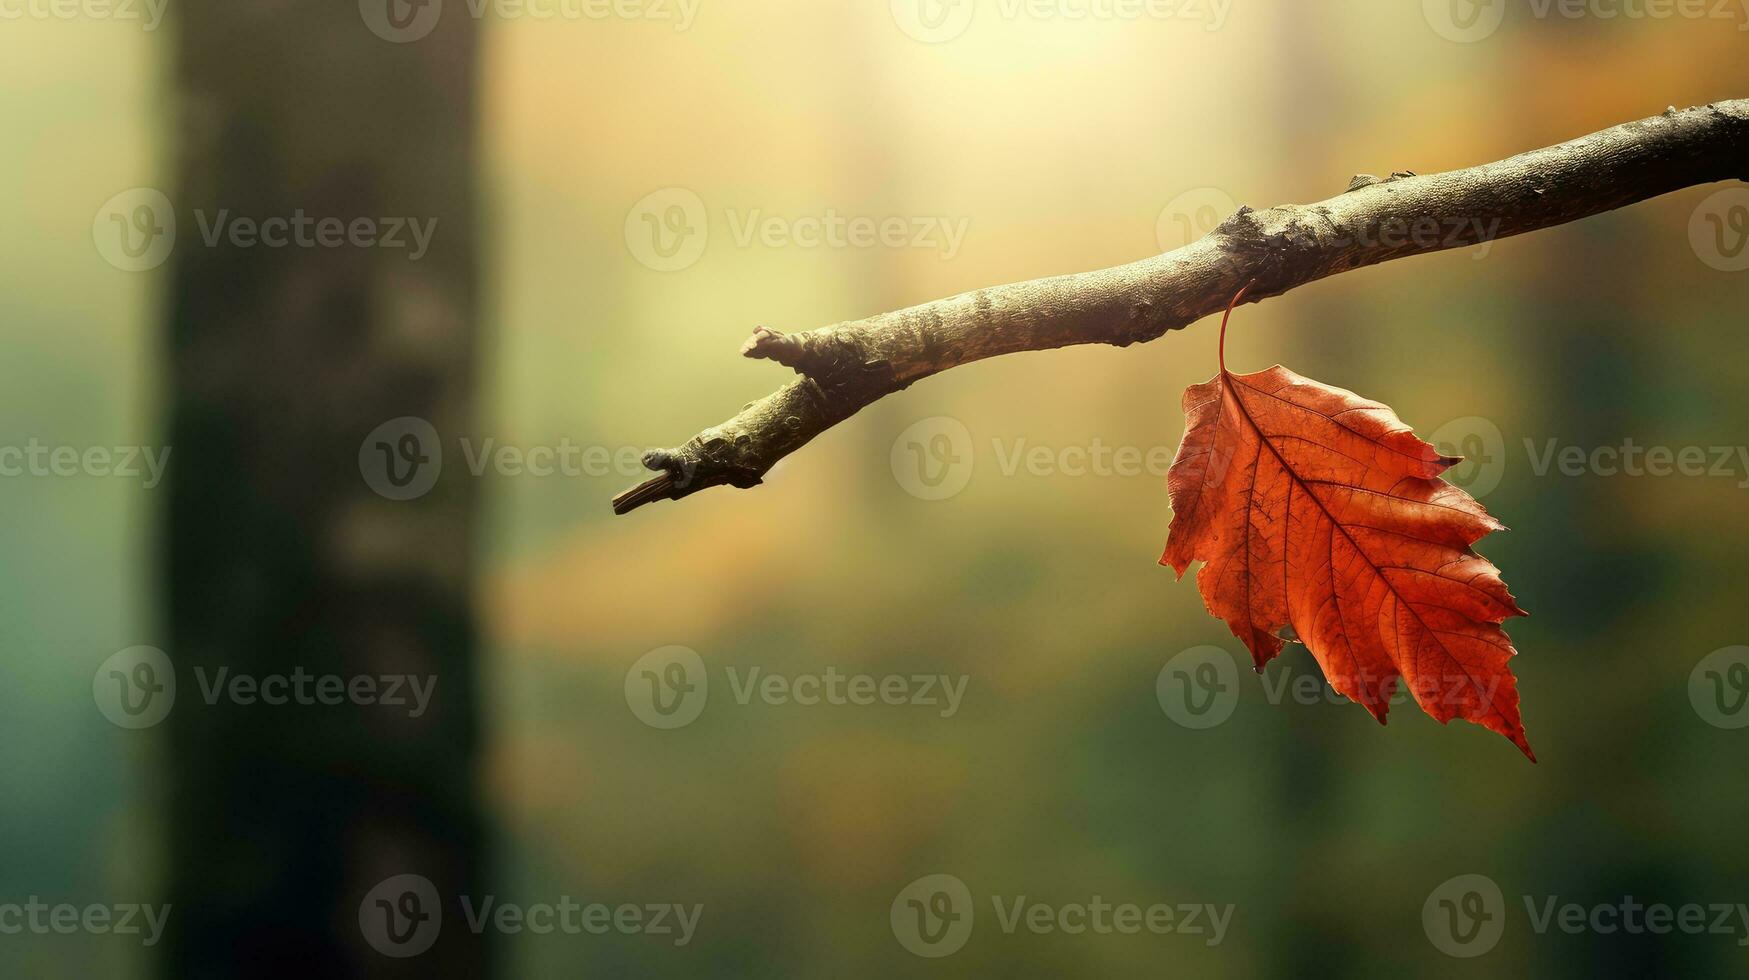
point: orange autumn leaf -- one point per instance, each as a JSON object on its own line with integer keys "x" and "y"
{"x": 1316, "y": 509}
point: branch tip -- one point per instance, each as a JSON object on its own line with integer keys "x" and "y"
{"x": 660, "y": 487}
{"x": 774, "y": 345}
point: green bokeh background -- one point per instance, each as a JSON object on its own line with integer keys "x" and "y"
{"x": 1063, "y": 144}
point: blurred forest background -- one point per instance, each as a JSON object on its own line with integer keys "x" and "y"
{"x": 1064, "y": 145}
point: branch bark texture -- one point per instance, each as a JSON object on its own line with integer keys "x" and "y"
{"x": 846, "y": 366}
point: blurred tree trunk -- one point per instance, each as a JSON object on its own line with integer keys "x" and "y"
{"x": 278, "y": 554}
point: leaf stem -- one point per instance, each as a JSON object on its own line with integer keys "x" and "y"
{"x": 1236, "y": 298}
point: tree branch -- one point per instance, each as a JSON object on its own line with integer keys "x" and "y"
{"x": 849, "y": 365}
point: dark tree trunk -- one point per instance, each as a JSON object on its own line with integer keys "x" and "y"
{"x": 279, "y": 554}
